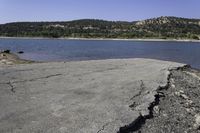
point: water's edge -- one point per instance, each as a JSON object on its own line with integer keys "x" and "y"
{"x": 107, "y": 39}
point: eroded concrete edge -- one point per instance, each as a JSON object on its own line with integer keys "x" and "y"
{"x": 140, "y": 121}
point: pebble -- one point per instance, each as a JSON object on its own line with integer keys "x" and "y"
{"x": 3, "y": 55}
{"x": 189, "y": 110}
{"x": 165, "y": 115}
{"x": 156, "y": 109}
{"x": 197, "y": 121}
{"x": 172, "y": 81}
{"x": 181, "y": 94}
{"x": 181, "y": 91}
{"x": 173, "y": 86}
{"x": 184, "y": 96}
{"x": 177, "y": 93}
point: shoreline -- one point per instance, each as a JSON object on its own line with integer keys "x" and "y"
{"x": 12, "y": 59}
{"x": 106, "y": 39}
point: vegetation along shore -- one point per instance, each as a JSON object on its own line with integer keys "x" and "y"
{"x": 170, "y": 28}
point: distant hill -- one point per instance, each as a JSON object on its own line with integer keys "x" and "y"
{"x": 162, "y": 27}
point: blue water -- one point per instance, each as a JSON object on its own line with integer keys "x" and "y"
{"x": 69, "y": 50}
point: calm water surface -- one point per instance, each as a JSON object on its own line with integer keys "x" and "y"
{"x": 69, "y": 50}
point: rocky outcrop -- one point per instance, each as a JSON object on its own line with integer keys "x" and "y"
{"x": 7, "y": 58}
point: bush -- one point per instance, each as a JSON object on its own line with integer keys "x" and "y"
{"x": 195, "y": 37}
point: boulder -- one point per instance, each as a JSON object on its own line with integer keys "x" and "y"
{"x": 6, "y": 51}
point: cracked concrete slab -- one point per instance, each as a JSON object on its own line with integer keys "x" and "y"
{"x": 80, "y": 97}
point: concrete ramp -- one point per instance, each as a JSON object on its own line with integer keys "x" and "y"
{"x": 104, "y": 96}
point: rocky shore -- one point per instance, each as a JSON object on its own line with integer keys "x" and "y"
{"x": 104, "y": 96}
{"x": 7, "y": 58}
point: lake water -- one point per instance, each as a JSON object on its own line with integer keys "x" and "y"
{"x": 70, "y": 50}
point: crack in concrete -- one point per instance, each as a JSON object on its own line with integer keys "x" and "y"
{"x": 30, "y": 80}
{"x": 142, "y": 87}
{"x": 35, "y": 79}
{"x": 140, "y": 121}
{"x": 26, "y": 70}
{"x": 103, "y": 127}
{"x": 97, "y": 71}
{"x": 137, "y": 124}
{"x": 10, "y": 84}
{"x": 12, "y": 87}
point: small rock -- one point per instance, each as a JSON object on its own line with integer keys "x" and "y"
{"x": 165, "y": 115}
{"x": 189, "y": 110}
{"x": 177, "y": 93}
{"x": 184, "y": 96}
{"x": 172, "y": 80}
{"x": 20, "y": 52}
{"x": 181, "y": 91}
{"x": 6, "y": 51}
{"x": 3, "y": 55}
{"x": 181, "y": 94}
{"x": 156, "y": 109}
{"x": 173, "y": 86}
{"x": 147, "y": 92}
{"x": 197, "y": 121}
{"x": 189, "y": 102}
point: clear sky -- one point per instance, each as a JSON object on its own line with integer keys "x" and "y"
{"x": 124, "y": 10}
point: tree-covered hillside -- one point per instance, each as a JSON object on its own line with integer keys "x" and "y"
{"x": 162, "y": 27}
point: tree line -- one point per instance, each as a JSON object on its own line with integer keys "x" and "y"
{"x": 162, "y": 27}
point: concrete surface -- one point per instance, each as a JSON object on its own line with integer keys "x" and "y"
{"x": 79, "y": 97}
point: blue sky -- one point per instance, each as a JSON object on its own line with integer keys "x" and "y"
{"x": 125, "y": 10}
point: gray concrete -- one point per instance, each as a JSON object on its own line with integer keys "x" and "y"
{"x": 78, "y": 97}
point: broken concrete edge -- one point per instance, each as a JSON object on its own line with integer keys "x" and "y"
{"x": 140, "y": 121}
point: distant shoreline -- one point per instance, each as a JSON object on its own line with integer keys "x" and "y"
{"x": 109, "y": 39}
